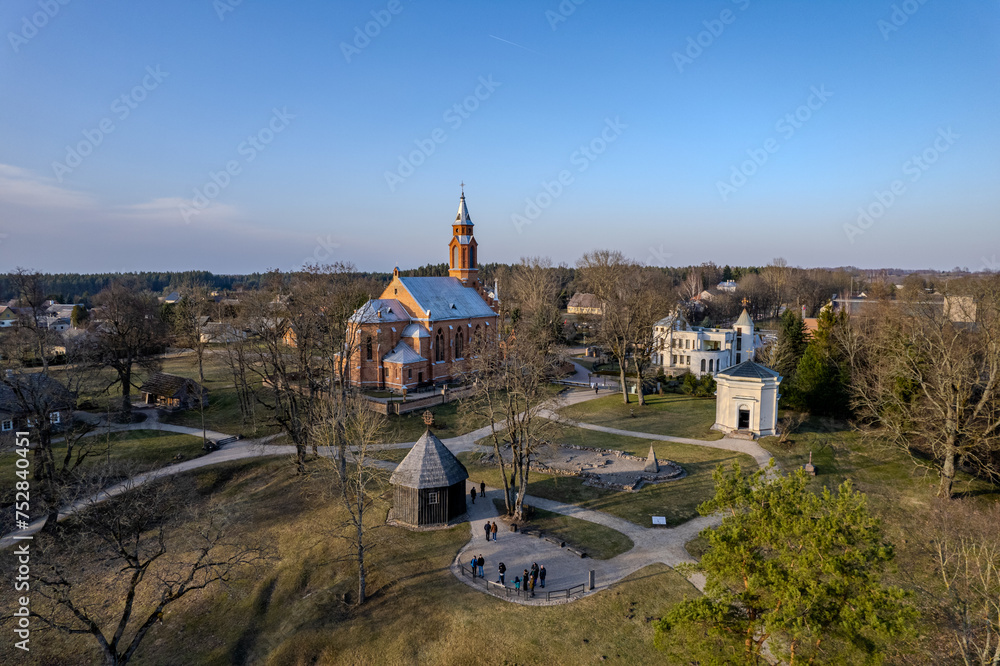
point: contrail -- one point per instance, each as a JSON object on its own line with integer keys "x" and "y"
{"x": 517, "y": 45}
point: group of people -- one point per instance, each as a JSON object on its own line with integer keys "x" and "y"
{"x": 482, "y": 491}
{"x": 490, "y": 529}
{"x": 529, "y": 578}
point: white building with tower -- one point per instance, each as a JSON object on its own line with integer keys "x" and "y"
{"x": 700, "y": 350}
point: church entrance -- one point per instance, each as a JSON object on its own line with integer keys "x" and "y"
{"x": 743, "y": 422}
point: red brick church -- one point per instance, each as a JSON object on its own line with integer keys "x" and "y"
{"x": 420, "y": 330}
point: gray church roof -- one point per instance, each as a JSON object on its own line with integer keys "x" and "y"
{"x": 402, "y": 353}
{"x": 749, "y": 370}
{"x": 429, "y": 464}
{"x": 379, "y": 310}
{"x": 446, "y": 298}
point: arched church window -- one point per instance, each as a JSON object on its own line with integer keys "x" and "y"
{"x": 472, "y": 256}
{"x": 439, "y": 346}
{"x": 368, "y": 347}
{"x": 459, "y": 344}
{"x": 454, "y": 258}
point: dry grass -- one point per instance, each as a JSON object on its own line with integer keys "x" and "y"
{"x": 295, "y": 614}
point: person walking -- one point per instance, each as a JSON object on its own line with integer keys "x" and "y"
{"x": 488, "y": 529}
{"x": 596, "y": 389}
{"x": 473, "y": 493}
{"x": 541, "y": 575}
{"x": 502, "y": 568}
{"x": 481, "y": 562}
{"x": 494, "y": 529}
{"x": 482, "y": 488}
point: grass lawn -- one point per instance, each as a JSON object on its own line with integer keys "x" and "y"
{"x": 598, "y": 541}
{"x": 147, "y": 449}
{"x": 292, "y": 612}
{"x": 448, "y": 422}
{"x": 677, "y": 500}
{"x": 669, "y": 414}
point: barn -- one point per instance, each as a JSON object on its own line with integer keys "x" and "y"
{"x": 429, "y": 485}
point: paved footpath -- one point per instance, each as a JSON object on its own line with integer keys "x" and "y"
{"x": 518, "y": 551}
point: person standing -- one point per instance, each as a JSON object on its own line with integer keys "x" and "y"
{"x": 473, "y": 493}
{"x": 517, "y": 583}
{"x": 482, "y": 488}
{"x": 502, "y": 568}
{"x": 541, "y": 575}
{"x": 534, "y": 571}
{"x": 481, "y": 562}
{"x": 488, "y": 529}
{"x": 494, "y": 529}
{"x": 531, "y": 585}
{"x": 473, "y": 564}
{"x": 525, "y": 579}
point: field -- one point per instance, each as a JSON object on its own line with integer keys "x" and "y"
{"x": 670, "y": 414}
{"x": 293, "y": 611}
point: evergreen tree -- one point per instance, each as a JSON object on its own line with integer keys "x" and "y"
{"x": 790, "y": 573}
{"x": 791, "y": 344}
{"x": 821, "y": 376}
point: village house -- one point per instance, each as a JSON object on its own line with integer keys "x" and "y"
{"x": 173, "y": 392}
{"x": 584, "y": 304}
{"x": 699, "y": 350}
{"x": 420, "y": 330}
{"x": 24, "y": 397}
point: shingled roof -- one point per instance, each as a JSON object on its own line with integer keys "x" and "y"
{"x": 749, "y": 370}
{"x": 168, "y": 386}
{"x": 429, "y": 464}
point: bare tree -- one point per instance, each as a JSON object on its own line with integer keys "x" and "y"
{"x": 128, "y": 334}
{"x": 151, "y": 561}
{"x": 606, "y": 273}
{"x": 970, "y": 570}
{"x": 512, "y": 381}
{"x": 360, "y": 480}
{"x": 32, "y": 324}
{"x": 931, "y": 385}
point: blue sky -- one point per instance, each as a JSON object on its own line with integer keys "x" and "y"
{"x": 683, "y": 132}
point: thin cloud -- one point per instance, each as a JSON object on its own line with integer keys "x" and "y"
{"x": 22, "y": 187}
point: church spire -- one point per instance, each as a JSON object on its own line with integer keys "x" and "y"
{"x": 463, "y": 210}
{"x": 462, "y": 249}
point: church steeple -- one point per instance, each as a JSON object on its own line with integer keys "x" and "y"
{"x": 463, "y": 247}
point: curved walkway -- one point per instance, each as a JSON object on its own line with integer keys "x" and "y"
{"x": 517, "y": 550}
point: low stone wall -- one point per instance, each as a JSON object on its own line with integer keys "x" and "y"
{"x": 400, "y": 407}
